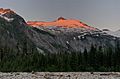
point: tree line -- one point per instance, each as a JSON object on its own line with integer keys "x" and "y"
{"x": 96, "y": 59}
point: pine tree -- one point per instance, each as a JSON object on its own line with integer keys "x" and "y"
{"x": 92, "y": 56}
{"x": 85, "y": 55}
{"x": 74, "y": 61}
{"x": 100, "y": 56}
{"x": 117, "y": 53}
{"x": 109, "y": 57}
{"x": 25, "y": 47}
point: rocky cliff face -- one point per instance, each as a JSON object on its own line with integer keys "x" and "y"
{"x": 13, "y": 32}
{"x": 70, "y": 35}
{"x": 57, "y": 36}
{"x": 64, "y": 39}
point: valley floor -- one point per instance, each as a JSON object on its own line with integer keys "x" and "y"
{"x": 60, "y": 75}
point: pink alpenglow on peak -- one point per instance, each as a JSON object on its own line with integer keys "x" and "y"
{"x": 62, "y": 22}
{"x": 4, "y": 11}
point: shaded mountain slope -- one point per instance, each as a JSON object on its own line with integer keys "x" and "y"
{"x": 13, "y": 34}
{"x": 61, "y": 35}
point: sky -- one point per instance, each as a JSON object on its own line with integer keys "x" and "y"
{"x": 101, "y": 14}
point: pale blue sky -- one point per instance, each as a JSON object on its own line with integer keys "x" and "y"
{"x": 97, "y": 13}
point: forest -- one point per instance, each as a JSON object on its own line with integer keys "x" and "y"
{"x": 94, "y": 60}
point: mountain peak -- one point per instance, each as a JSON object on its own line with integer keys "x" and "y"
{"x": 62, "y": 22}
{"x": 105, "y": 30}
{"x": 61, "y": 18}
{"x": 9, "y": 15}
{"x": 4, "y": 11}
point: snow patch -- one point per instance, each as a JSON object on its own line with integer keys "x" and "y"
{"x": 74, "y": 38}
{"x": 40, "y": 50}
{"x": 97, "y": 35}
{"x": 6, "y": 18}
{"x": 79, "y": 37}
{"x": 83, "y": 37}
{"x": 114, "y": 38}
{"x": 67, "y": 42}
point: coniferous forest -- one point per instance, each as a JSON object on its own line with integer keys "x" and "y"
{"x": 94, "y": 60}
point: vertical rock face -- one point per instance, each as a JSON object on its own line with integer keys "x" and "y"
{"x": 57, "y": 36}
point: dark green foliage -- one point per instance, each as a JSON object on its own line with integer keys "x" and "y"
{"x": 94, "y": 60}
{"x": 92, "y": 56}
{"x": 85, "y": 53}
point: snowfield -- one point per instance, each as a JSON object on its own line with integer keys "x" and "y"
{"x": 60, "y": 75}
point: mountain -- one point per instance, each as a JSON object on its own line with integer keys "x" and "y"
{"x": 62, "y": 22}
{"x": 61, "y": 35}
{"x": 117, "y": 33}
{"x": 71, "y": 35}
{"x": 14, "y": 32}
{"x": 114, "y": 33}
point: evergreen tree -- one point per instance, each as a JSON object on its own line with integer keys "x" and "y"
{"x": 85, "y": 55}
{"x": 100, "y": 56}
{"x": 109, "y": 57}
{"x": 92, "y": 56}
